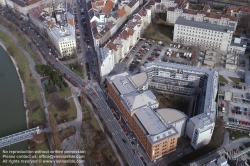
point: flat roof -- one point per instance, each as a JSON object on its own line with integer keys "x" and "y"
{"x": 203, "y": 25}
{"x": 150, "y": 121}
{"x": 170, "y": 115}
{"x": 139, "y": 99}
{"x": 122, "y": 83}
{"x": 139, "y": 79}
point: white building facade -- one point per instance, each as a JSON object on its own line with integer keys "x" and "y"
{"x": 3, "y": 3}
{"x": 205, "y": 35}
{"x": 107, "y": 61}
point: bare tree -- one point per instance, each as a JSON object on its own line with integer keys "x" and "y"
{"x": 53, "y": 98}
{"x": 245, "y": 22}
{"x": 55, "y": 137}
{"x": 62, "y": 104}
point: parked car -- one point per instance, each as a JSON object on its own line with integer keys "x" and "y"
{"x": 222, "y": 107}
{"x": 124, "y": 140}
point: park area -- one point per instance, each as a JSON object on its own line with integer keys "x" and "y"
{"x": 180, "y": 103}
{"x": 96, "y": 145}
{"x": 76, "y": 68}
{"x": 159, "y": 30}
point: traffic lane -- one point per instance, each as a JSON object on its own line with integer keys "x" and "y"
{"x": 116, "y": 128}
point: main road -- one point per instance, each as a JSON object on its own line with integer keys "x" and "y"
{"x": 97, "y": 95}
{"x": 112, "y": 124}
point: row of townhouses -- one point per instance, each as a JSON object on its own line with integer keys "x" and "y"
{"x": 119, "y": 45}
{"x": 107, "y": 17}
{"x": 59, "y": 29}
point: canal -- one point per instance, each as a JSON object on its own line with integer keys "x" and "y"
{"x": 12, "y": 111}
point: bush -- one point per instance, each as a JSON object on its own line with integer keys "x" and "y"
{"x": 65, "y": 84}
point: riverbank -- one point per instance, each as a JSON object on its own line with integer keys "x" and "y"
{"x": 2, "y": 44}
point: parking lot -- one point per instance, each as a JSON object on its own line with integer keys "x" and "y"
{"x": 146, "y": 51}
{"x": 236, "y": 100}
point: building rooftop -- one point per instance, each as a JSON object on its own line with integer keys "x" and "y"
{"x": 139, "y": 79}
{"x": 122, "y": 83}
{"x": 170, "y": 115}
{"x": 138, "y": 100}
{"x": 150, "y": 121}
{"x": 108, "y": 7}
{"x": 239, "y": 42}
{"x": 203, "y": 25}
{"x": 152, "y": 126}
{"x": 247, "y": 77}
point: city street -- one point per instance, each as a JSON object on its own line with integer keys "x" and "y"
{"x": 105, "y": 111}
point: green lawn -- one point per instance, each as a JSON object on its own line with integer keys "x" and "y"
{"x": 95, "y": 123}
{"x": 193, "y": 6}
{"x": 222, "y": 79}
{"x": 159, "y": 31}
{"x": 21, "y": 40}
{"x": 233, "y": 2}
{"x": 65, "y": 93}
{"x": 173, "y": 101}
{"x": 31, "y": 87}
{"x": 236, "y": 80}
{"x": 215, "y": 9}
{"x": 77, "y": 72}
{"x": 237, "y": 134}
{"x": 44, "y": 147}
{"x": 214, "y": 144}
{"x": 68, "y": 115}
{"x": 67, "y": 132}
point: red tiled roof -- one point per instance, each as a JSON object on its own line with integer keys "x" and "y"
{"x": 131, "y": 32}
{"x": 142, "y": 12}
{"x": 124, "y": 34}
{"x": 137, "y": 17}
{"x": 110, "y": 24}
{"x": 108, "y": 7}
{"x": 121, "y": 12}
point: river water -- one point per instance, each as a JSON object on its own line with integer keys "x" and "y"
{"x": 12, "y": 111}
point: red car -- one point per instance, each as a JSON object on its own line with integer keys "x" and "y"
{"x": 113, "y": 111}
{"x": 120, "y": 122}
{"x": 142, "y": 159}
{"x": 58, "y": 69}
{"x": 83, "y": 85}
{"x": 125, "y": 131}
{"x": 94, "y": 94}
{"x": 134, "y": 151}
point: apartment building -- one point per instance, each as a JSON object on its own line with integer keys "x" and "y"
{"x": 59, "y": 28}
{"x": 161, "y": 6}
{"x": 236, "y": 11}
{"x": 131, "y": 7}
{"x": 159, "y": 129}
{"x": 201, "y": 16}
{"x": 138, "y": 109}
{"x": 205, "y": 35}
{"x": 199, "y": 128}
{"x": 121, "y": 43}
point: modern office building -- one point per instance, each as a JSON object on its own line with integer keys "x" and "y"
{"x": 159, "y": 129}
{"x": 205, "y": 35}
{"x": 58, "y": 27}
{"x": 198, "y": 81}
